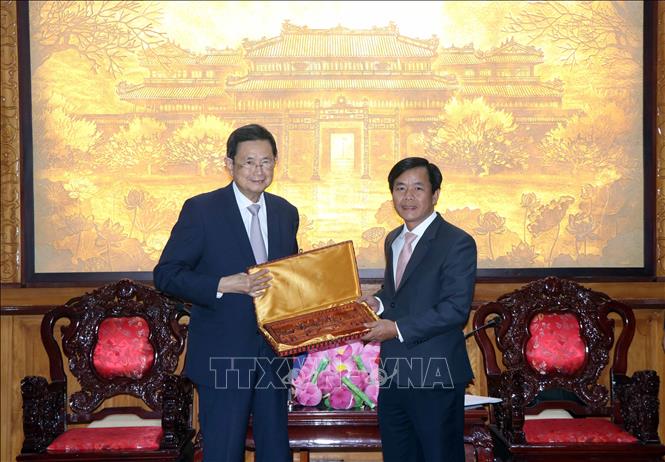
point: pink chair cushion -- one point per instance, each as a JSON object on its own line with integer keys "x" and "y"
{"x": 575, "y": 431}
{"x": 123, "y": 348}
{"x": 555, "y": 344}
{"x": 107, "y": 439}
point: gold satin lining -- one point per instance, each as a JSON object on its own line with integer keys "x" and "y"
{"x": 305, "y": 283}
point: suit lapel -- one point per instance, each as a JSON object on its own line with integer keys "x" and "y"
{"x": 422, "y": 249}
{"x": 274, "y": 228}
{"x": 390, "y": 279}
{"x": 234, "y": 220}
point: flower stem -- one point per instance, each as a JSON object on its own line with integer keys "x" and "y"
{"x": 322, "y": 365}
{"x": 359, "y": 363}
{"x": 358, "y": 392}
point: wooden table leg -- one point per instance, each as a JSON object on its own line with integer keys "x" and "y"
{"x": 304, "y": 455}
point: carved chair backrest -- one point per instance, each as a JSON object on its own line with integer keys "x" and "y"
{"x": 121, "y": 339}
{"x": 561, "y": 311}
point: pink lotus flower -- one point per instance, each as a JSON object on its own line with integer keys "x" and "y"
{"x": 370, "y": 355}
{"x": 359, "y": 378}
{"x": 341, "y": 398}
{"x": 372, "y": 391}
{"x": 350, "y": 349}
{"x": 342, "y": 352}
{"x": 374, "y": 375}
{"x": 314, "y": 359}
{"x": 328, "y": 380}
{"x": 309, "y": 394}
{"x": 372, "y": 349}
{"x": 346, "y": 376}
{"x": 343, "y": 366}
{"x": 304, "y": 375}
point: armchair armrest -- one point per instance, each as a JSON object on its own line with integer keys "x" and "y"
{"x": 509, "y": 414}
{"x": 637, "y": 400}
{"x": 43, "y": 412}
{"x": 177, "y": 411}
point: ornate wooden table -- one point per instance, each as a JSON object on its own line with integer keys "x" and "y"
{"x": 311, "y": 429}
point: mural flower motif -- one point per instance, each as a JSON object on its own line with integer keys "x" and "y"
{"x": 588, "y": 191}
{"x": 134, "y": 200}
{"x": 374, "y": 235}
{"x": 523, "y": 255}
{"x": 491, "y": 223}
{"x": 581, "y": 225}
{"x": 57, "y": 199}
{"x": 109, "y": 235}
{"x": 152, "y": 216}
{"x": 547, "y": 217}
{"x": 529, "y": 202}
{"x": 80, "y": 188}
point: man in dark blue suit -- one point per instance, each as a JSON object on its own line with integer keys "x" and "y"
{"x": 218, "y": 235}
{"x": 424, "y": 303}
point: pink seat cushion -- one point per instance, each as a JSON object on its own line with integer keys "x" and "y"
{"x": 123, "y": 348}
{"x": 555, "y": 344}
{"x": 575, "y": 431}
{"x": 107, "y": 439}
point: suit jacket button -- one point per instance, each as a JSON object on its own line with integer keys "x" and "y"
{"x": 392, "y": 305}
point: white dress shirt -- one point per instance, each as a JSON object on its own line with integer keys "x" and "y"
{"x": 396, "y": 247}
{"x": 243, "y": 202}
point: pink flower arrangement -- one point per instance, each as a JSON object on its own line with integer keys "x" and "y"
{"x": 342, "y": 377}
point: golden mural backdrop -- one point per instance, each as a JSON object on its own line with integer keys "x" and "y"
{"x": 533, "y": 111}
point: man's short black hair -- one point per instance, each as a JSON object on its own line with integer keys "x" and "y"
{"x": 433, "y": 172}
{"x": 250, "y": 132}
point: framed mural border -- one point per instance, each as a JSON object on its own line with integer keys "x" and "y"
{"x": 647, "y": 272}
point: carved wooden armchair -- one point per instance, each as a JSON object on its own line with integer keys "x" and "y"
{"x": 555, "y": 339}
{"x": 121, "y": 339}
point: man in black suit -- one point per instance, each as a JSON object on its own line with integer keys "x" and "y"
{"x": 424, "y": 303}
{"x": 218, "y": 235}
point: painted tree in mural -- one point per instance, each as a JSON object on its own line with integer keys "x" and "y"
{"x": 201, "y": 142}
{"x": 104, "y": 33}
{"x": 140, "y": 143}
{"x": 587, "y": 32}
{"x": 70, "y": 139}
{"x": 472, "y": 136}
{"x": 593, "y": 142}
{"x": 602, "y": 37}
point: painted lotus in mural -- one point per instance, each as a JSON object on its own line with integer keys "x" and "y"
{"x": 531, "y": 109}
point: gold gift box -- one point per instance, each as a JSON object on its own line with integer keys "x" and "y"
{"x": 311, "y": 301}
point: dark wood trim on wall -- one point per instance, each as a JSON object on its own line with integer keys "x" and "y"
{"x": 25, "y": 310}
{"x": 642, "y": 304}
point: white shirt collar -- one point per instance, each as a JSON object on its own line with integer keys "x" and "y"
{"x": 242, "y": 200}
{"x": 420, "y": 229}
